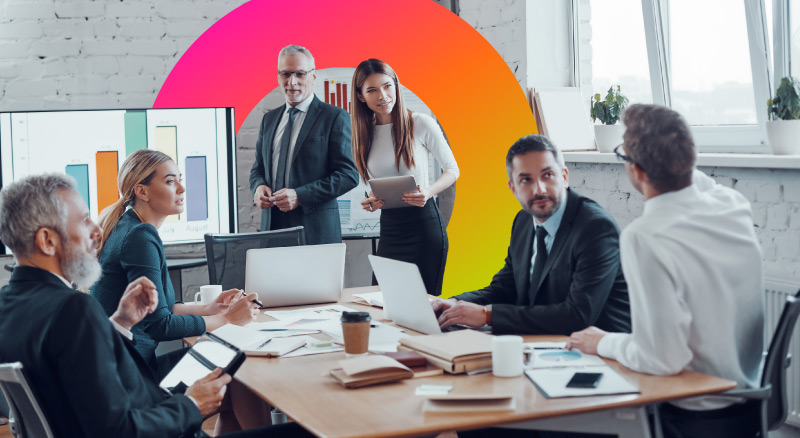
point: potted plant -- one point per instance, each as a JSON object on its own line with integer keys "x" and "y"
{"x": 783, "y": 131}
{"x": 609, "y": 110}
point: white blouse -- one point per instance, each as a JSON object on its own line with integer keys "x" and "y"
{"x": 428, "y": 137}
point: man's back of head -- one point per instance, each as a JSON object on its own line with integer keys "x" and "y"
{"x": 658, "y": 140}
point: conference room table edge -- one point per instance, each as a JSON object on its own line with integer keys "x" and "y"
{"x": 266, "y": 377}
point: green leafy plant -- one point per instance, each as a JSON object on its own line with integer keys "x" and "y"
{"x": 610, "y": 109}
{"x": 786, "y": 103}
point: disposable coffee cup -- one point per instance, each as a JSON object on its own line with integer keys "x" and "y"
{"x": 208, "y": 294}
{"x": 355, "y": 330}
{"x": 507, "y": 356}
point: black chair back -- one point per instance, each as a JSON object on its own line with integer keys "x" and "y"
{"x": 777, "y": 362}
{"x": 27, "y": 418}
{"x": 227, "y": 253}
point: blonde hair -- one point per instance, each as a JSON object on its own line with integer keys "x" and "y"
{"x": 363, "y": 120}
{"x": 138, "y": 168}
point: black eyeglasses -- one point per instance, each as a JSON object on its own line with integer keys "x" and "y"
{"x": 299, "y": 74}
{"x": 623, "y": 157}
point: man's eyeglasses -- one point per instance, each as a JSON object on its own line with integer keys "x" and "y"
{"x": 299, "y": 74}
{"x": 623, "y": 157}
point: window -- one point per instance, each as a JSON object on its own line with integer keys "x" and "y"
{"x": 706, "y": 59}
{"x": 794, "y": 32}
{"x": 618, "y": 28}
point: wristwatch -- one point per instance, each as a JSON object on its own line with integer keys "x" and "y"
{"x": 487, "y": 310}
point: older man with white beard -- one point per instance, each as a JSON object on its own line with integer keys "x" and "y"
{"x": 87, "y": 376}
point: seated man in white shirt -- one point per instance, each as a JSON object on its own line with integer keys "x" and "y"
{"x": 694, "y": 271}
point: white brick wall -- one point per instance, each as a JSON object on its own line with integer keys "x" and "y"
{"x": 773, "y": 195}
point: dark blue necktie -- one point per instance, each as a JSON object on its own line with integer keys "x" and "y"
{"x": 283, "y": 158}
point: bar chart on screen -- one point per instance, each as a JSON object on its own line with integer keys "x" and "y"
{"x": 90, "y": 146}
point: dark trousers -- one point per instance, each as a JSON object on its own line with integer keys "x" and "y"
{"x": 740, "y": 420}
{"x": 416, "y": 235}
{"x": 288, "y": 430}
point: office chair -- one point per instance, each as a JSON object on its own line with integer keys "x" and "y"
{"x": 772, "y": 391}
{"x": 226, "y": 253}
{"x": 27, "y": 418}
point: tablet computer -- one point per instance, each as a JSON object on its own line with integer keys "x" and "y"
{"x": 391, "y": 190}
{"x": 207, "y": 354}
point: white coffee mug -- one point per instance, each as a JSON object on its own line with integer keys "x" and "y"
{"x": 208, "y": 294}
{"x": 507, "y": 356}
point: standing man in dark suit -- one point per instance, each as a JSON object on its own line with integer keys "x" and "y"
{"x": 83, "y": 368}
{"x": 303, "y": 159}
{"x": 562, "y": 272}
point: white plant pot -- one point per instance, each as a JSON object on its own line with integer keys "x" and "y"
{"x": 784, "y": 136}
{"x": 608, "y": 137}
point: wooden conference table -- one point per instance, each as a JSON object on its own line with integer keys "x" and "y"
{"x": 302, "y": 388}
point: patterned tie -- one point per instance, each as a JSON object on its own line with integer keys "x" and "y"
{"x": 541, "y": 257}
{"x": 280, "y": 175}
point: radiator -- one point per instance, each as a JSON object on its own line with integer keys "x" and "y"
{"x": 776, "y": 292}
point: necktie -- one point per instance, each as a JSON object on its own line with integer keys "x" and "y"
{"x": 283, "y": 158}
{"x": 541, "y": 257}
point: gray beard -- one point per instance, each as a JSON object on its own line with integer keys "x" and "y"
{"x": 81, "y": 268}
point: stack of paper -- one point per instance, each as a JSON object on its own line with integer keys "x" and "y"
{"x": 469, "y": 403}
{"x": 369, "y": 299}
{"x": 552, "y": 382}
{"x": 370, "y": 370}
{"x": 257, "y": 343}
{"x": 455, "y": 352}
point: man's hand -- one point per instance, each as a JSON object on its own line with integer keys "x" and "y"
{"x": 418, "y": 198}
{"x": 208, "y": 391}
{"x": 586, "y": 340}
{"x": 440, "y": 305}
{"x": 139, "y": 299}
{"x": 262, "y": 197}
{"x": 223, "y": 301}
{"x": 242, "y": 311}
{"x": 462, "y": 312}
{"x": 372, "y": 203}
{"x": 285, "y": 199}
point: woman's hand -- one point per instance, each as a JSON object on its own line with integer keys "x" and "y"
{"x": 242, "y": 311}
{"x": 418, "y": 198}
{"x": 372, "y": 203}
{"x": 223, "y": 301}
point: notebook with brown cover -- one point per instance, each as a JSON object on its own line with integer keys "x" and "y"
{"x": 370, "y": 370}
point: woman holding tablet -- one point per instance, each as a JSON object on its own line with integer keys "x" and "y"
{"x": 389, "y": 140}
{"x": 130, "y": 247}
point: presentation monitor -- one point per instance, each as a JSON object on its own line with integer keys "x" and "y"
{"x": 91, "y": 145}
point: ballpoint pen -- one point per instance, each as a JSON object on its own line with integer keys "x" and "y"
{"x": 255, "y": 301}
{"x": 367, "y": 196}
{"x": 264, "y": 344}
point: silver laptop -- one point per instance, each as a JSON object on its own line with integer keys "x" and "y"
{"x": 404, "y": 294}
{"x": 295, "y": 275}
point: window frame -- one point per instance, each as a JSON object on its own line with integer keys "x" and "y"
{"x": 765, "y": 72}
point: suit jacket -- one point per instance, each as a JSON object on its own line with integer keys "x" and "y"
{"x": 88, "y": 378}
{"x": 581, "y": 285}
{"x": 322, "y": 169}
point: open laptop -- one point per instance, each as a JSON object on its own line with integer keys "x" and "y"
{"x": 294, "y": 275}
{"x": 404, "y": 294}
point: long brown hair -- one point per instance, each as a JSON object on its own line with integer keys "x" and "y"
{"x": 139, "y": 168}
{"x": 363, "y": 120}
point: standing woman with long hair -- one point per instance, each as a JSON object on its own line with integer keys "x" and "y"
{"x": 389, "y": 140}
{"x": 130, "y": 247}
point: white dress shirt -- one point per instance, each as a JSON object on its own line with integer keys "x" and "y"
{"x": 695, "y": 280}
{"x": 276, "y": 140}
{"x": 428, "y": 137}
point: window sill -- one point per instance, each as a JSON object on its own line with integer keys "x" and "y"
{"x": 757, "y": 161}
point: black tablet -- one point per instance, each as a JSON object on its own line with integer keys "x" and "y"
{"x": 208, "y": 353}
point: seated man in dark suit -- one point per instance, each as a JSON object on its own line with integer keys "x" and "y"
{"x": 83, "y": 368}
{"x": 562, "y": 277}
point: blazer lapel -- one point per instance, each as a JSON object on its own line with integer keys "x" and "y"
{"x": 308, "y": 123}
{"x": 523, "y": 279}
{"x": 272, "y": 126}
{"x": 562, "y": 235}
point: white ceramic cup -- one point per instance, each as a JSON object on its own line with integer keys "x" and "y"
{"x": 507, "y": 356}
{"x": 207, "y": 294}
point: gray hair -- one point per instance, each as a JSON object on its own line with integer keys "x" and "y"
{"x": 30, "y": 204}
{"x": 533, "y": 143}
{"x": 293, "y": 49}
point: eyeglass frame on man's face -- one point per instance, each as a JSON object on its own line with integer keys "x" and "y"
{"x": 623, "y": 157}
{"x": 299, "y": 74}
